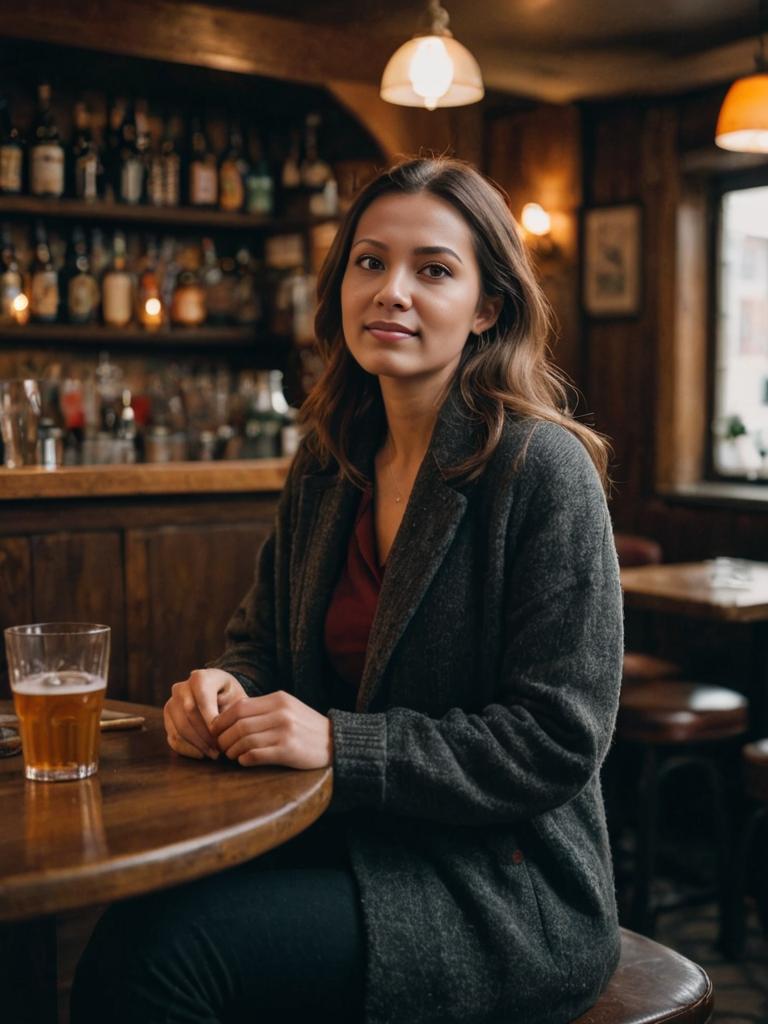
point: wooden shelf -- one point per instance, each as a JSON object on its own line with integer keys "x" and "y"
{"x": 32, "y": 335}
{"x": 236, "y": 477}
{"x": 182, "y": 216}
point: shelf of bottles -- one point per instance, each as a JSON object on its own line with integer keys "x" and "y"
{"x": 202, "y": 246}
{"x": 119, "y": 236}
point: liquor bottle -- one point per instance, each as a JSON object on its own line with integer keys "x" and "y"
{"x": 265, "y": 417}
{"x": 85, "y": 157}
{"x": 117, "y": 287}
{"x": 259, "y": 185}
{"x": 131, "y": 161}
{"x": 218, "y": 295}
{"x": 171, "y": 165}
{"x": 248, "y": 308}
{"x": 82, "y": 289}
{"x": 317, "y": 175}
{"x": 232, "y": 171}
{"x": 100, "y": 257}
{"x": 11, "y": 153}
{"x": 188, "y": 307}
{"x": 203, "y": 173}
{"x": 47, "y": 153}
{"x": 44, "y": 289}
{"x": 290, "y": 177}
{"x": 149, "y": 301}
{"x": 111, "y": 156}
{"x": 11, "y": 283}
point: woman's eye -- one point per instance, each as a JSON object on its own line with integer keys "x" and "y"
{"x": 369, "y": 262}
{"x": 436, "y": 270}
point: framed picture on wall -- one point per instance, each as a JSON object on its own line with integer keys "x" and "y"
{"x": 612, "y": 264}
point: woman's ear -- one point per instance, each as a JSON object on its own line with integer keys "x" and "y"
{"x": 487, "y": 314}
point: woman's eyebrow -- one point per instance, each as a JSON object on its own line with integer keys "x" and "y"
{"x": 422, "y": 250}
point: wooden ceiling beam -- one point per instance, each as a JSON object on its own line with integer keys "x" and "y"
{"x": 193, "y": 33}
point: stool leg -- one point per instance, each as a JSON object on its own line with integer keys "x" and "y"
{"x": 723, "y": 836}
{"x": 733, "y": 929}
{"x": 641, "y": 915}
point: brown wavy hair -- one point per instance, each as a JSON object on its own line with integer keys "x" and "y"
{"x": 506, "y": 370}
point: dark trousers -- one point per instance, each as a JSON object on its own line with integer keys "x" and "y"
{"x": 278, "y": 939}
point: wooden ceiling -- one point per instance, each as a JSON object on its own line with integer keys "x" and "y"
{"x": 558, "y": 50}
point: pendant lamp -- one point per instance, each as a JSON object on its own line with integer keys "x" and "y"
{"x": 432, "y": 70}
{"x": 743, "y": 122}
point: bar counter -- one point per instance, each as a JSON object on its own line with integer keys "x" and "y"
{"x": 171, "y": 478}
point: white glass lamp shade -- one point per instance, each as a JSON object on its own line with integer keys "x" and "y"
{"x": 743, "y": 122}
{"x": 432, "y": 71}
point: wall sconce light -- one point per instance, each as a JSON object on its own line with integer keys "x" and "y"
{"x": 432, "y": 70}
{"x": 537, "y": 224}
{"x": 742, "y": 125}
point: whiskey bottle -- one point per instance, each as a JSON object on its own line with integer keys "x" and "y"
{"x": 259, "y": 185}
{"x": 117, "y": 287}
{"x": 85, "y": 157}
{"x": 11, "y": 153}
{"x": 149, "y": 302}
{"x": 82, "y": 289}
{"x": 111, "y": 158}
{"x": 203, "y": 173}
{"x": 11, "y": 284}
{"x": 131, "y": 161}
{"x": 44, "y": 289}
{"x": 232, "y": 171}
{"x": 47, "y": 153}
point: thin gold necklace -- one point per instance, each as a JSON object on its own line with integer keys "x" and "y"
{"x": 398, "y": 495}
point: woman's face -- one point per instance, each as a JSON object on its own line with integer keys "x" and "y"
{"x": 411, "y": 292}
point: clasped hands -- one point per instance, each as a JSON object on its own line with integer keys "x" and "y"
{"x": 209, "y": 714}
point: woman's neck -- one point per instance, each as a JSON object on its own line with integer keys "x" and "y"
{"x": 411, "y": 415}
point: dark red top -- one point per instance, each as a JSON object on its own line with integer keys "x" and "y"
{"x": 353, "y": 604}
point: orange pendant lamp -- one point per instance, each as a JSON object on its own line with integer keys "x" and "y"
{"x": 743, "y": 122}
{"x": 432, "y": 70}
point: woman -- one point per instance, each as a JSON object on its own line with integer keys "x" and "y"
{"x": 437, "y": 615}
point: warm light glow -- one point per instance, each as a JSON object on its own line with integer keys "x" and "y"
{"x": 743, "y": 122}
{"x": 20, "y": 303}
{"x": 431, "y": 70}
{"x": 535, "y": 219}
{"x": 153, "y": 307}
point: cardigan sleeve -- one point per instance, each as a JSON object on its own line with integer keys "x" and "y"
{"x": 547, "y": 731}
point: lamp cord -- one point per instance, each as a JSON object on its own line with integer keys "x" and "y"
{"x": 439, "y": 18}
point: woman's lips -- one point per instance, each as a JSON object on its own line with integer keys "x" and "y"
{"x": 389, "y": 335}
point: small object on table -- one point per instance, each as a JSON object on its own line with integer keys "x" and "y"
{"x": 10, "y": 742}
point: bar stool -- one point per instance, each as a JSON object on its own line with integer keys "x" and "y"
{"x": 754, "y": 761}
{"x": 632, "y": 550}
{"x": 652, "y": 984}
{"x": 673, "y": 724}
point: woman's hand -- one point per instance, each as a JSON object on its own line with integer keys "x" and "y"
{"x": 275, "y": 729}
{"x": 193, "y": 705}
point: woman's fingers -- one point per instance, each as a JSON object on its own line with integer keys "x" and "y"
{"x": 255, "y": 741}
{"x": 181, "y": 721}
{"x": 175, "y": 742}
{"x": 248, "y": 725}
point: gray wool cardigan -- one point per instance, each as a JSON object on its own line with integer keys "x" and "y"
{"x": 466, "y": 780}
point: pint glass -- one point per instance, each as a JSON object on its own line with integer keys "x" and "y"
{"x": 58, "y": 674}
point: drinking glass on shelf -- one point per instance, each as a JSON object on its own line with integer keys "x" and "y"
{"x": 58, "y": 676}
{"x": 20, "y": 406}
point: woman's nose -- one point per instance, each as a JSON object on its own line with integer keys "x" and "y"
{"x": 394, "y": 291}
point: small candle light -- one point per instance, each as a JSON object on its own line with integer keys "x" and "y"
{"x": 152, "y": 314}
{"x": 20, "y": 308}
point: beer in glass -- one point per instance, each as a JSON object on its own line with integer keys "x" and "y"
{"x": 58, "y": 674}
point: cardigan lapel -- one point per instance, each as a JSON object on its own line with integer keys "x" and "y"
{"x": 434, "y": 512}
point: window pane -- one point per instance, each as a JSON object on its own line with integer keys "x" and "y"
{"x": 741, "y": 366}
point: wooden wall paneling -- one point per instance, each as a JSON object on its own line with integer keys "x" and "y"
{"x": 138, "y": 618}
{"x": 78, "y": 577}
{"x": 535, "y": 155}
{"x": 15, "y": 593}
{"x": 197, "y": 576}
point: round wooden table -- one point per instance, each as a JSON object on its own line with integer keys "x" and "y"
{"x": 148, "y": 819}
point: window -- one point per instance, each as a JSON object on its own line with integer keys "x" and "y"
{"x": 740, "y": 380}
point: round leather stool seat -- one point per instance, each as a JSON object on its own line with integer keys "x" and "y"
{"x": 652, "y": 984}
{"x": 755, "y": 763}
{"x": 648, "y": 666}
{"x": 667, "y": 712}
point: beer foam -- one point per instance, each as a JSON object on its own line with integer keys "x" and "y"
{"x": 52, "y": 684}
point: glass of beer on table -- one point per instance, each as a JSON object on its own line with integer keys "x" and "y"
{"x": 58, "y": 674}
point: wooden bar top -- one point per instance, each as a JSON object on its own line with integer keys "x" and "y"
{"x": 233, "y": 477}
{"x": 730, "y": 590}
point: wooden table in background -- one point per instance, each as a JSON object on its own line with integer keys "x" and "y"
{"x": 148, "y": 819}
{"x": 688, "y": 589}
